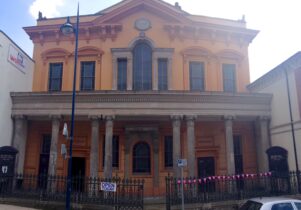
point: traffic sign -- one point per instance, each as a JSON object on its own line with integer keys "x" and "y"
{"x": 182, "y": 162}
{"x": 108, "y": 186}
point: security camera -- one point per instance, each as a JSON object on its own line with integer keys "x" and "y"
{"x": 65, "y": 130}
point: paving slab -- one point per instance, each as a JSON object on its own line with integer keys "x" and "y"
{"x": 11, "y": 207}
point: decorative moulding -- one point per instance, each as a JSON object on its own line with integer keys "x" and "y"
{"x": 55, "y": 53}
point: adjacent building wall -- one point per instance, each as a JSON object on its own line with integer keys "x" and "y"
{"x": 274, "y": 82}
{"x": 16, "y": 75}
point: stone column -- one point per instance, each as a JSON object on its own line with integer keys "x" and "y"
{"x": 94, "y": 152}
{"x": 156, "y": 158}
{"x": 129, "y": 75}
{"x": 108, "y": 170}
{"x": 263, "y": 143}
{"x": 19, "y": 141}
{"x": 190, "y": 145}
{"x": 127, "y": 155}
{"x": 53, "y": 148}
{"x": 229, "y": 144}
{"x": 176, "y": 128}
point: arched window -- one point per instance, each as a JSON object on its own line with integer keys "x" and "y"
{"x": 141, "y": 158}
{"x": 142, "y": 63}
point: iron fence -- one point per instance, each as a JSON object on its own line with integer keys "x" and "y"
{"x": 234, "y": 187}
{"x": 85, "y": 190}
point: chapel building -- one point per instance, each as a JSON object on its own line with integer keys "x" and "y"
{"x": 154, "y": 84}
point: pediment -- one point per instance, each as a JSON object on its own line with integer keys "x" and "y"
{"x": 230, "y": 54}
{"x": 156, "y": 7}
{"x": 55, "y": 53}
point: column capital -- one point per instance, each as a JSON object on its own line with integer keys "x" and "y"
{"x": 176, "y": 117}
{"x": 264, "y": 118}
{"x": 94, "y": 117}
{"x": 19, "y": 117}
{"x": 229, "y": 117}
{"x": 108, "y": 117}
{"x": 55, "y": 117}
{"x": 190, "y": 118}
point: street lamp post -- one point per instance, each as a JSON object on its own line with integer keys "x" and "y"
{"x": 68, "y": 29}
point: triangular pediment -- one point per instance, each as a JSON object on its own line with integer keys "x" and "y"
{"x": 126, "y": 8}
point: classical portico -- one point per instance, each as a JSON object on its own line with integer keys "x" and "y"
{"x": 147, "y": 118}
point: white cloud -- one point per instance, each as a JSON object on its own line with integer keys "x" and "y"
{"x": 48, "y": 8}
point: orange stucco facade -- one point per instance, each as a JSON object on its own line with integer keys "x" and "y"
{"x": 146, "y": 116}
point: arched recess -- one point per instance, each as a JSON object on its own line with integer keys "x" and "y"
{"x": 89, "y": 51}
{"x": 139, "y": 40}
{"x": 277, "y": 157}
{"x": 55, "y": 53}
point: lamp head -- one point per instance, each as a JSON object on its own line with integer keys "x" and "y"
{"x": 67, "y": 28}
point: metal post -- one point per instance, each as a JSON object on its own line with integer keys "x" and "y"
{"x": 182, "y": 188}
{"x": 68, "y": 191}
{"x": 293, "y": 130}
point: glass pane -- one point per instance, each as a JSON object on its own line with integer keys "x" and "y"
{"x": 168, "y": 153}
{"x": 162, "y": 74}
{"x": 196, "y": 76}
{"x": 87, "y": 75}
{"x": 115, "y": 155}
{"x": 122, "y": 74}
{"x": 141, "y": 158}
{"x": 229, "y": 77}
{"x": 282, "y": 206}
{"x": 298, "y": 205}
{"x": 46, "y": 144}
{"x": 142, "y": 67}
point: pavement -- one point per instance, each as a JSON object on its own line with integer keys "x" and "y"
{"x": 10, "y": 207}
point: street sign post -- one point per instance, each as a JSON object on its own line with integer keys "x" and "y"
{"x": 182, "y": 163}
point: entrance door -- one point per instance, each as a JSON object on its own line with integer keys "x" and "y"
{"x": 206, "y": 168}
{"x": 78, "y": 174}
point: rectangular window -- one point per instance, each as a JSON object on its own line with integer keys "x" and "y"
{"x": 168, "y": 148}
{"x": 87, "y": 75}
{"x": 122, "y": 73}
{"x": 197, "y": 79}
{"x": 55, "y": 76}
{"x": 229, "y": 77}
{"x": 238, "y": 158}
{"x": 162, "y": 73}
{"x": 46, "y": 144}
{"x": 115, "y": 151}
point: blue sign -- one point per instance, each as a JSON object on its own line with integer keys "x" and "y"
{"x": 108, "y": 186}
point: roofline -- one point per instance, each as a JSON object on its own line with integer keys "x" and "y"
{"x": 16, "y": 45}
{"x": 64, "y": 17}
{"x": 285, "y": 65}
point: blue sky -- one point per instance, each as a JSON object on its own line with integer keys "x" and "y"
{"x": 277, "y": 20}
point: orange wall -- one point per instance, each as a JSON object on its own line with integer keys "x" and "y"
{"x": 210, "y": 141}
{"x": 160, "y": 38}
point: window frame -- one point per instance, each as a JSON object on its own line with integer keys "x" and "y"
{"x": 142, "y": 78}
{"x": 145, "y": 157}
{"x": 50, "y": 79}
{"x": 162, "y": 74}
{"x": 124, "y": 72}
{"x": 84, "y": 77}
{"x": 168, "y": 154}
{"x": 238, "y": 155}
{"x": 227, "y": 81}
{"x": 202, "y": 79}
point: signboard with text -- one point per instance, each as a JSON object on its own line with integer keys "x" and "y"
{"x": 17, "y": 58}
{"x": 108, "y": 186}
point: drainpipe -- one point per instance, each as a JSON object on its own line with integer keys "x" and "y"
{"x": 292, "y": 130}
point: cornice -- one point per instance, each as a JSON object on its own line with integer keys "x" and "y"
{"x": 132, "y": 96}
{"x": 211, "y": 32}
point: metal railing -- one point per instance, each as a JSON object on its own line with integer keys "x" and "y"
{"x": 234, "y": 187}
{"x": 85, "y": 190}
